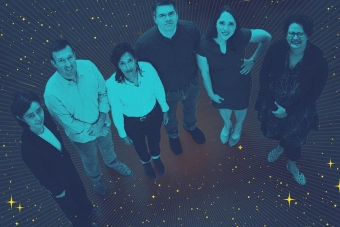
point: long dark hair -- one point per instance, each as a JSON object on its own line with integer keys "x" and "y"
{"x": 21, "y": 103}
{"x": 211, "y": 32}
{"x": 118, "y": 51}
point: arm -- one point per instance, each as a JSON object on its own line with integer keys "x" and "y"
{"x": 158, "y": 89}
{"x": 116, "y": 109}
{"x": 103, "y": 103}
{"x": 204, "y": 68}
{"x": 261, "y": 37}
{"x": 160, "y": 94}
{"x": 64, "y": 117}
{"x": 35, "y": 165}
{"x": 314, "y": 92}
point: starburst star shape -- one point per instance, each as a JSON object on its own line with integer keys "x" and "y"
{"x": 20, "y": 207}
{"x": 338, "y": 186}
{"x": 330, "y": 163}
{"x": 240, "y": 147}
{"x": 289, "y": 199}
{"x": 11, "y": 202}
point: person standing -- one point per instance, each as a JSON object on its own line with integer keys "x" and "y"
{"x": 137, "y": 100}
{"x": 294, "y": 72}
{"x": 225, "y": 71}
{"x": 170, "y": 47}
{"x": 44, "y": 153}
{"x": 76, "y": 97}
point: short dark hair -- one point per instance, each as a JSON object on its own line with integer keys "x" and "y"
{"x": 57, "y": 45}
{"x": 162, "y": 3}
{"x": 304, "y": 20}
{"x": 21, "y": 103}
{"x": 118, "y": 51}
{"x": 211, "y": 32}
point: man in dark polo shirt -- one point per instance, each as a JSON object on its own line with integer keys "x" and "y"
{"x": 170, "y": 48}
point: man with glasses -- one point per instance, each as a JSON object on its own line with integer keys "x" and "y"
{"x": 170, "y": 47}
{"x": 76, "y": 97}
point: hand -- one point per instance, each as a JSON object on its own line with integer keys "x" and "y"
{"x": 247, "y": 66}
{"x": 95, "y": 129}
{"x": 280, "y": 112}
{"x": 127, "y": 140}
{"x": 61, "y": 195}
{"x": 105, "y": 131}
{"x": 216, "y": 98}
{"x": 165, "y": 118}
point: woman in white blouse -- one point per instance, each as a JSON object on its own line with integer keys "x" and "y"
{"x": 137, "y": 100}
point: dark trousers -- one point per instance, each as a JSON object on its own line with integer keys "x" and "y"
{"x": 75, "y": 204}
{"x": 291, "y": 152}
{"x": 149, "y": 126}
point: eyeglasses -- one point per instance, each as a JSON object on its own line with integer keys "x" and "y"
{"x": 163, "y": 16}
{"x": 69, "y": 59}
{"x": 298, "y": 34}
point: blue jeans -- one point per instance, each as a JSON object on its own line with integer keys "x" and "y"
{"x": 88, "y": 154}
{"x": 188, "y": 97}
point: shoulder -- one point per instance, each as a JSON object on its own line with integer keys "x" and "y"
{"x": 203, "y": 46}
{"x": 147, "y": 36}
{"x": 27, "y": 142}
{"x": 189, "y": 26}
{"x": 315, "y": 51}
{"x": 111, "y": 82}
{"x": 279, "y": 46}
{"x": 82, "y": 63}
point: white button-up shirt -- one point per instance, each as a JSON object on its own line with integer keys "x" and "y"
{"x": 76, "y": 106}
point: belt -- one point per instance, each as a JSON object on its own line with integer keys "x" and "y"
{"x": 143, "y": 118}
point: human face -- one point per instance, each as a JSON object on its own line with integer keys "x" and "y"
{"x": 65, "y": 62}
{"x": 128, "y": 65}
{"x": 296, "y": 37}
{"x": 226, "y": 26}
{"x": 34, "y": 116}
{"x": 166, "y": 18}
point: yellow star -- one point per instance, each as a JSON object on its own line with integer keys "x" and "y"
{"x": 330, "y": 163}
{"x": 11, "y": 201}
{"x": 153, "y": 196}
{"x": 289, "y": 199}
{"x": 240, "y": 147}
{"x": 17, "y": 223}
{"x": 19, "y": 207}
{"x": 338, "y": 186}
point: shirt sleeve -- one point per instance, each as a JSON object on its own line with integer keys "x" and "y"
{"x": 158, "y": 89}
{"x": 103, "y": 101}
{"x": 319, "y": 82}
{"x": 116, "y": 107}
{"x": 246, "y": 34}
{"x": 64, "y": 117}
{"x": 35, "y": 165}
{"x": 264, "y": 78}
{"x": 201, "y": 48}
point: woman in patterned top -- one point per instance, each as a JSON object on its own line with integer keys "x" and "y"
{"x": 293, "y": 75}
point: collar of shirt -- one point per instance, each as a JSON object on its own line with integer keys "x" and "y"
{"x": 64, "y": 82}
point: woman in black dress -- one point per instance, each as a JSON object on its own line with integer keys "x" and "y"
{"x": 43, "y": 152}
{"x": 225, "y": 71}
{"x": 293, "y": 75}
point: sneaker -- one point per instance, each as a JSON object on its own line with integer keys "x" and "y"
{"x": 197, "y": 135}
{"x": 149, "y": 170}
{"x": 100, "y": 187}
{"x": 122, "y": 169}
{"x": 159, "y": 166}
{"x": 175, "y": 145}
{"x": 275, "y": 154}
{"x": 95, "y": 211}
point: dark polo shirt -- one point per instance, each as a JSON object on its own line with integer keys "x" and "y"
{"x": 175, "y": 58}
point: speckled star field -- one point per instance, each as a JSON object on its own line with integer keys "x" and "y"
{"x": 208, "y": 185}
